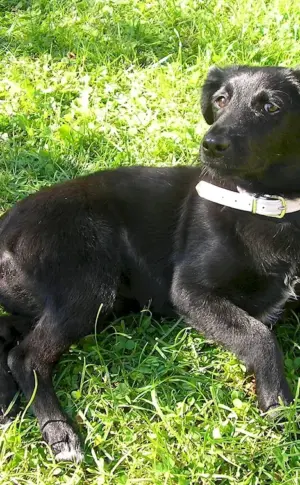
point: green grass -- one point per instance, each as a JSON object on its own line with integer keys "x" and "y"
{"x": 92, "y": 84}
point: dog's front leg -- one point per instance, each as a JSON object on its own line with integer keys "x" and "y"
{"x": 223, "y": 322}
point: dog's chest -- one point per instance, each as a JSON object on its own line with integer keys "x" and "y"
{"x": 274, "y": 256}
{"x": 273, "y": 312}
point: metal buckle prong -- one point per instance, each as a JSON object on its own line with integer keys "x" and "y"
{"x": 283, "y": 202}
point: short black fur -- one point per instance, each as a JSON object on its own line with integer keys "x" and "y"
{"x": 125, "y": 237}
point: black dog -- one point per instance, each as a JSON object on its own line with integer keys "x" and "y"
{"x": 122, "y": 237}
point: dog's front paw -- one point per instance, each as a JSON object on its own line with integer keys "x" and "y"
{"x": 63, "y": 441}
{"x": 269, "y": 402}
{"x": 273, "y": 413}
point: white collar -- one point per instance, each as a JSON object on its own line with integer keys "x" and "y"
{"x": 265, "y": 205}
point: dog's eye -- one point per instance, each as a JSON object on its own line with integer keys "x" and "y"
{"x": 271, "y": 108}
{"x": 220, "y": 102}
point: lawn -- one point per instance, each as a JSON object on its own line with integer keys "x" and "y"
{"x": 92, "y": 84}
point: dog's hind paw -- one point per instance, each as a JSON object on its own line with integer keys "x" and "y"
{"x": 63, "y": 441}
{"x": 8, "y": 414}
{"x": 68, "y": 453}
{"x": 5, "y": 421}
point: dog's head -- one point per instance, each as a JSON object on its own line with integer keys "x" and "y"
{"x": 255, "y": 133}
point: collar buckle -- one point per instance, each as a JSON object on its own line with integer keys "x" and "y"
{"x": 283, "y": 204}
{"x": 270, "y": 197}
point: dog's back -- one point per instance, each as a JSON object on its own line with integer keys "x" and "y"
{"x": 128, "y": 216}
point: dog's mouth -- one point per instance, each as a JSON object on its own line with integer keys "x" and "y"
{"x": 234, "y": 166}
{"x": 239, "y": 178}
{"x": 218, "y": 167}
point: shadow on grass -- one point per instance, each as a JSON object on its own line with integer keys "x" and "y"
{"x": 140, "y": 352}
{"x": 25, "y": 170}
{"x": 103, "y": 40}
{"x": 14, "y": 5}
{"x": 138, "y": 355}
{"x": 122, "y": 34}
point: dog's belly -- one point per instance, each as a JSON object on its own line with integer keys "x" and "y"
{"x": 149, "y": 293}
{"x": 147, "y": 274}
{"x": 148, "y": 286}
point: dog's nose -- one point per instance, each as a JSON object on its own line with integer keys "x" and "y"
{"x": 215, "y": 144}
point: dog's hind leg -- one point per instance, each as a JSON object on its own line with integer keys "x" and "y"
{"x": 12, "y": 329}
{"x": 70, "y": 316}
{"x": 31, "y": 364}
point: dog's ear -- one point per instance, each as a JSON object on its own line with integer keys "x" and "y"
{"x": 213, "y": 82}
